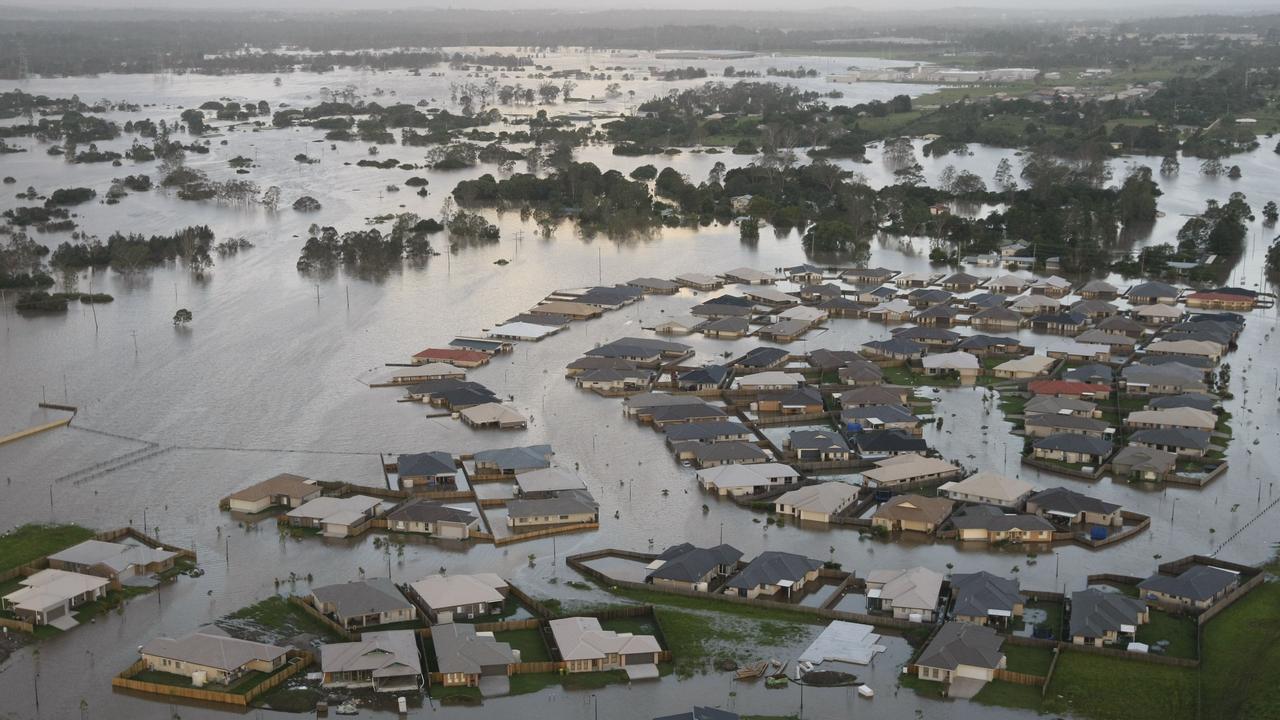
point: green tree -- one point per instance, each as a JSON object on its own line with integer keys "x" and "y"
{"x": 182, "y": 317}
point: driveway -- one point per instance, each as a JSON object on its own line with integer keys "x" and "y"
{"x": 965, "y": 688}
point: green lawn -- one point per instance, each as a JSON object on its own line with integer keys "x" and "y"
{"x": 243, "y": 685}
{"x": 1179, "y": 631}
{"x": 528, "y": 642}
{"x": 279, "y": 615}
{"x": 1030, "y": 660}
{"x": 526, "y": 683}
{"x": 639, "y": 625}
{"x": 1240, "y": 670}
{"x": 1109, "y": 688}
{"x": 1054, "y": 611}
{"x": 903, "y": 375}
{"x": 32, "y": 542}
{"x": 460, "y": 695}
{"x": 1007, "y": 694}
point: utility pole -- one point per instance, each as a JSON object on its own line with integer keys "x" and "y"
{"x": 134, "y": 333}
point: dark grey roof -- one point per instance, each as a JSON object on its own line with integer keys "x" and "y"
{"x": 961, "y": 278}
{"x": 772, "y": 566}
{"x": 1069, "y": 501}
{"x": 1202, "y": 363}
{"x": 1172, "y": 373}
{"x": 987, "y": 299}
{"x": 839, "y": 303}
{"x": 427, "y": 511}
{"x": 1191, "y": 400}
{"x": 989, "y": 517}
{"x": 883, "y": 413}
{"x": 1070, "y": 442}
{"x": 637, "y": 347}
{"x": 1094, "y": 613}
{"x": 1154, "y": 289}
{"x": 894, "y": 346}
{"x": 705, "y": 375}
{"x": 1196, "y": 583}
{"x": 977, "y": 593}
{"x": 703, "y": 713}
{"x": 1172, "y": 437}
{"x": 832, "y": 359}
{"x": 1092, "y": 372}
{"x": 825, "y": 440}
{"x": 435, "y": 387}
{"x": 532, "y": 457}
{"x": 761, "y": 357}
{"x": 704, "y": 430}
{"x": 982, "y": 342}
{"x": 468, "y": 396}
{"x": 930, "y": 295}
{"x": 871, "y": 395}
{"x": 598, "y": 363}
{"x": 960, "y": 643}
{"x": 459, "y": 649}
{"x": 363, "y": 597}
{"x": 729, "y": 451}
{"x": 716, "y": 310}
{"x": 997, "y": 312}
{"x": 1060, "y": 318}
{"x": 938, "y": 311}
{"x": 1117, "y": 323}
{"x": 1069, "y": 422}
{"x": 894, "y": 440}
{"x": 669, "y": 413}
{"x": 693, "y": 563}
{"x": 486, "y": 346}
{"x": 565, "y": 502}
{"x": 725, "y": 324}
{"x": 427, "y": 463}
{"x": 793, "y": 396}
{"x": 731, "y": 300}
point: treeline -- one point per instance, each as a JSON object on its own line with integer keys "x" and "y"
{"x": 134, "y": 252}
{"x": 369, "y": 249}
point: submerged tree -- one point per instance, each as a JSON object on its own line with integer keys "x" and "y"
{"x": 182, "y": 317}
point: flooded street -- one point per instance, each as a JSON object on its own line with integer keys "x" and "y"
{"x": 271, "y": 377}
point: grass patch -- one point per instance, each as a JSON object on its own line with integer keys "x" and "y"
{"x": 1109, "y": 688}
{"x": 903, "y": 375}
{"x": 1027, "y": 659}
{"x": 294, "y": 700}
{"x": 1179, "y": 631}
{"x": 528, "y": 642}
{"x": 1239, "y": 670}
{"x": 281, "y": 618}
{"x": 928, "y": 688}
{"x": 32, "y": 542}
{"x": 1007, "y": 694}
{"x": 241, "y": 686}
{"x": 112, "y": 600}
{"x": 526, "y": 683}
{"x": 180, "y": 566}
{"x": 594, "y": 680}
{"x": 457, "y": 694}
{"x": 1054, "y": 612}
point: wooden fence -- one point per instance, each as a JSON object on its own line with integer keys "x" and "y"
{"x": 1018, "y": 678}
{"x": 1230, "y": 599}
{"x": 297, "y": 662}
{"x": 305, "y": 605}
{"x": 18, "y": 625}
{"x": 135, "y": 534}
{"x": 1140, "y": 657}
{"x": 548, "y": 532}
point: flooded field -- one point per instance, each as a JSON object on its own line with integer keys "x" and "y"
{"x": 268, "y": 379}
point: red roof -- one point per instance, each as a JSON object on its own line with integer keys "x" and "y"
{"x": 1220, "y": 297}
{"x": 1065, "y": 387}
{"x": 452, "y": 354}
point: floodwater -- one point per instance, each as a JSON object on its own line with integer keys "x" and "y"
{"x": 268, "y": 379}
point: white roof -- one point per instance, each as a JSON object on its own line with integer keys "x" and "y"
{"x": 844, "y": 642}
{"x": 337, "y": 511}
{"x": 1204, "y": 348}
{"x": 1176, "y": 417}
{"x": 1053, "y": 281}
{"x": 548, "y": 480}
{"x": 769, "y": 378}
{"x": 1005, "y": 490}
{"x": 905, "y": 468}
{"x": 490, "y": 413}
{"x": 447, "y": 591}
{"x": 523, "y": 331}
{"x": 747, "y": 273}
{"x": 582, "y": 638}
{"x": 915, "y": 588}
{"x": 51, "y": 588}
{"x": 1026, "y": 363}
{"x": 768, "y": 294}
{"x": 804, "y": 312}
{"x": 117, "y": 556}
{"x": 958, "y": 360}
{"x": 827, "y": 497}
{"x": 731, "y": 476}
{"x": 1158, "y": 310}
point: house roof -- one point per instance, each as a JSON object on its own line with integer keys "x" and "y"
{"x": 1154, "y": 289}
{"x": 1095, "y": 613}
{"x": 1044, "y": 404}
{"x": 362, "y": 597}
{"x": 891, "y": 440}
{"x": 958, "y": 360}
{"x": 212, "y": 649}
{"x": 551, "y": 479}
{"x": 1158, "y": 311}
{"x": 961, "y": 278}
{"x": 493, "y": 412}
{"x": 1027, "y": 363}
{"x": 958, "y": 643}
{"x": 928, "y": 333}
{"x": 915, "y": 508}
{"x": 516, "y": 458}
{"x": 915, "y": 588}
{"x": 452, "y": 355}
{"x": 872, "y": 395}
{"x": 1008, "y": 281}
{"x": 50, "y": 588}
{"x": 827, "y": 497}
{"x": 785, "y": 328}
{"x": 1197, "y": 583}
{"x": 771, "y": 567}
{"x": 870, "y": 414}
{"x": 733, "y": 476}
{"x": 997, "y": 312}
{"x": 117, "y": 556}
{"x": 295, "y": 486}
{"x": 1188, "y": 417}
{"x": 894, "y": 346}
{"x": 565, "y": 502}
{"x": 429, "y": 511}
{"x": 427, "y": 463}
{"x": 978, "y": 593}
{"x": 460, "y": 649}
{"x": 1098, "y": 286}
{"x": 993, "y": 519}
{"x": 1091, "y": 372}
{"x": 448, "y": 591}
{"x": 1068, "y": 422}
{"x": 692, "y": 564}
{"x": 1060, "y": 500}
{"x": 1097, "y": 336}
{"x": 747, "y": 274}
{"x": 824, "y": 440}
{"x": 761, "y": 357}
{"x": 600, "y": 363}
{"x": 990, "y": 485}
{"x": 582, "y": 638}
{"x": 1072, "y": 442}
{"x": 336, "y": 510}
{"x": 1172, "y": 437}
{"x": 1201, "y": 348}
{"x": 673, "y": 413}
{"x": 905, "y": 470}
{"x": 705, "y": 375}
{"x": 1194, "y": 400}
{"x": 389, "y": 653}
{"x": 1119, "y": 324}
{"x": 1065, "y": 387}
{"x": 645, "y": 400}
{"x": 708, "y": 430}
{"x": 1141, "y": 458}
{"x": 634, "y": 347}
{"x": 769, "y": 377}
{"x": 729, "y": 451}
{"x": 984, "y": 342}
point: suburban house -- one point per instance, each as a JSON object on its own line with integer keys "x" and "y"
{"x": 1119, "y": 343}
{"x": 1122, "y": 325}
{"x": 709, "y": 455}
{"x": 1079, "y": 352}
{"x": 1171, "y": 378}
{"x": 1051, "y": 405}
{"x": 726, "y": 328}
{"x": 114, "y": 561}
{"x": 693, "y": 568}
{"x": 1021, "y": 368}
{"x": 988, "y": 488}
{"x": 1032, "y": 305}
{"x": 882, "y": 444}
{"x": 1199, "y": 401}
{"x": 1072, "y": 448}
{"x": 712, "y": 431}
{"x": 283, "y": 490}
{"x": 958, "y": 364}
{"x": 910, "y": 594}
{"x": 989, "y": 345}
{"x": 880, "y": 417}
{"x": 680, "y": 413}
{"x": 447, "y": 598}
{"x": 422, "y": 472}
{"x": 1206, "y": 349}
{"x": 363, "y": 603}
{"x": 584, "y": 646}
{"x": 772, "y": 574}
{"x": 546, "y": 482}
{"x": 961, "y": 282}
{"x": 699, "y": 281}
{"x": 428, "y": 517}
{"x": 1158, "y": 314}
{"x": 982, "y": 598}
{"x": 386, "y": 661}
{"x": 493, "y": 415}
{"x": 908, "y": 470}
{"x": 1193, "y": 590}
{"x": 785, "y": 331}
{"x": 1007, "y": 284}
{"x": 1096, "y": 372}
{"x": 1072, "y": 508}
{"x": 677, "y": 325}
{"x": 747, "y": 479}
{"x": 818, "y": 292}
{"x": 1044, "y": 425}
{"x": 962, "y": 654}
{"x": 816, "y": 503}
{"x": 657, "y": 286}
{"x": 1189, "y": 443}
{"x": 1233, "y": 299}
{"x": 1140, "y": 463}
{"x": 1062, "y": 323}
{"x": 769, "y": 297}
{"x": 586, "y": 364}
{"x": 996, "y": 317}
{"x": 1105, "y": 618}
{"x": 769, "y": 380}
{"x": 451, "y": 356}
{"x": 915, "y": 279}
{"x": 1095, "y": 309}
{"x": 932, "y": 336}
{"x": 564, "y": 308}
{"x": 840, "y": 307}
{"x": 512, "y": 461}
{"x": 1069, "y": 388}
{"x": 747, "y": 276}
{"x": 912, "y": 512}
{"x": 51, "y": 596}
{"x": 701, "y": 712}
{"x": 605, "y": 380}
{"x": 988, "y": 523}
{"x": 894, "y": 348}
{"x": 1052, "y": 286}
{"x": 860, "y": 372}
{"x": 1153, "y": 291}
{"x": 874, "y": 395}
{"x": 569, "y": 506}
{"x": 891, "y": 311}
{"x": 795, "y": 401}
{"x": 707, "y": 377}
{"x": 818, "y": 446}
{"x": 336, "y": 517}
{"x": 429, "y": 371}
{"x": 1182, "y": 417}
{"x": 868, "y": 276}
{"x": 760, "y": 359}
{"x": 1098, "y": 290}
{"x": 464, "y": 657}
{"x": 642, "y": 351}
{"x": 928, "y": 297}
{"x": 211, "y": 656}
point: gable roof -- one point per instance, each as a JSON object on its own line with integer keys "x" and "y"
{"x": 915, "y": 588}
{"x": 1095, "y": 613}
{"x": 1060, "y": 500}
{"x": 460, "y": 649}
{"x": 1197, "y": 583}
{"x": 691, "y": 564}
{"x": 448, "y": 591}
{"x": 917, "y": 508}
{"x": 771, "y": 567}
{"x": 958, "y": 643}
{"x": 212, "y": 648}
{"x": 362, "y": 597}
{"x": 825, "y": 440}
{"x": 389, "y": 653}
{"x": 976, "y": 594}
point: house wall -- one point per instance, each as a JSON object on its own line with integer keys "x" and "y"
{"x": 180, "y": 667}
{"x": 250, "y": 506}
{"x": 533, "y": 520}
